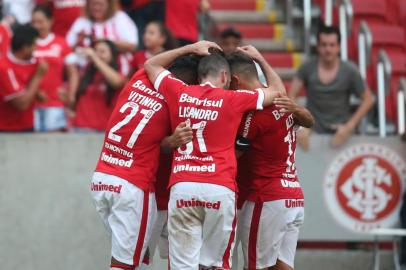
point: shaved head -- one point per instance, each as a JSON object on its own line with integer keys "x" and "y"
{"x": 242, "y": 65}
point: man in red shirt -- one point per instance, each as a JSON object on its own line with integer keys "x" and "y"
{"x": 271, "y": 216}
{"x": 123, "y": 184}
{"x": 201, "y": 210}
{"x": 20, "y": 76}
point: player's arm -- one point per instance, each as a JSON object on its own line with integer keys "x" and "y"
{"x": 182, "y": 135}
{"x": 157, "y": 64}
{"x": 295, "y": 87}
{"x": 22, "y": 102}
{"x": 301, "y": 115}
{"x": 272, "y": 78}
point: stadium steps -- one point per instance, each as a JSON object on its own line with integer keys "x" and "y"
{"x": 266, "y": 29}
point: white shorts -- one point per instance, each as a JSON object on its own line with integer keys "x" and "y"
{"x": 159, "y": 236}
{"x": 49, "y": 119}
{"x": 269, "y": 232}
{"x": 201, "y": 225}
{"x": 128, "y": 214}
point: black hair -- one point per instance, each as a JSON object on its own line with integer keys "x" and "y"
{"x": 185, "y": 68}
{"x": 241, "y": 64}
{"x": 329, "y": 30}
{"x": 44, "y": 10}
{"x": 23, "y": 36}
{"x": 170, "y": 42}
{"x": 230, "y": 32}
{"x": 212, "y": 64}
{"x": 91, "y": 72}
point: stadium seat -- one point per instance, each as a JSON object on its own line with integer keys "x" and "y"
{"x": 233, "y": 5}
{"x": 283, "y": 60}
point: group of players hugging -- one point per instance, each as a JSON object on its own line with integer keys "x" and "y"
{"x": 167, "y": 176}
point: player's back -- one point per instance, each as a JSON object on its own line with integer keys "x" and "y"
{"x": 135, "y": 129}
{"x": 214, "y": 115}
{"x": 271, "y": 156}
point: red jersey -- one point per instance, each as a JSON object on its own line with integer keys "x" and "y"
{"x": 65, "y": 12}
{"x": 92, "y": 110}
{"x": 138, "y": 60}
{"x": 181, "y": 18}
{"x": 54, "y": 50}
{"x": 214, "y": 115}
{"x": 15, "y": 74}
{"x": 134, "y": 132}
{"x": 271, "y": 156}
{"x": 162, "y": 181}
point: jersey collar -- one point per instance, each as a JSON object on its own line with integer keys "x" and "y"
{"x": 208, "y": 83}
{"x": 47, "y": 40}
{"x": 15, "y": 60}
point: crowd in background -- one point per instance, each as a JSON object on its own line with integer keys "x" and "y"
{"x": 64, "y": 62}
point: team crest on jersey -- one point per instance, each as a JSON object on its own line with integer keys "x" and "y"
{"x": 363, "y": 187}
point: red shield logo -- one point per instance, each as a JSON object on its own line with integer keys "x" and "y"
{"x": 364, "y": 185}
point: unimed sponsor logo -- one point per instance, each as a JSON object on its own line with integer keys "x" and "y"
{"x": 116, "y": 161}
{"x": 294, "y": 203}
{"x": 105, "y": 187}
{"x": 196, "y": 203}
{"x": 191, "y": 168}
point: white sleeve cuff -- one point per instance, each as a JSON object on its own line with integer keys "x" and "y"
{"x": 261, "y": 97}
{"x": 159, "y": 79}
{"x": 12, "y": 96}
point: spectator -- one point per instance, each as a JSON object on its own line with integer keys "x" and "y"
{"x": 181, "y": 18}
{"x": 64, "y": 12}
{"x": 49, "y": 114}
{"x": 19, "y": 9}
{"x": 143, "y": 12}
{"x": 157, "y": 38}
{"x": 103, "y": 20}
{"x": 98, "y": 88}
{"x": 230, "y": 39}
{"x": 20, "y": 76}
{"x": 329, "y": 82}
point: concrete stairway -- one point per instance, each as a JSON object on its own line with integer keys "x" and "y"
{"x": 263, "y": 24}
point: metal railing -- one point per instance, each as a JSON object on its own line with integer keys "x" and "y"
{"x": 307, "y": 22}
{"x": 401, "y": 98}
{"x": 328, "y": 12}
{"x": 383, "y": 75}
{"x": 364, "y": 48}
{"x": 345, "y": 17}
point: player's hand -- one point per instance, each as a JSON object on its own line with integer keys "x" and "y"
{"x": 42, "y": 96}
{"x": 42, "y": 68}
{"x": 343, "y": 132}
{"x": 182, "y": 135}
{"x": 286, "y": 104}
{"x": 251, "y": 51}
{"x": 202, "y": 47}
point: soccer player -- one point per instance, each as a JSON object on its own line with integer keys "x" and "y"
{"x": 271, "y": 216}
{"x": 20, "y": 76}
{"x": 201, "y": 210}
{"x": 123, "y": 182}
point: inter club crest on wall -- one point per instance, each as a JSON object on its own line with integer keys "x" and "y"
{"x": 363, "y": 187}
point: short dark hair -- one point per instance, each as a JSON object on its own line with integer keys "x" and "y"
{"x": 44, "y": 10}
{"x": 242, "y": 64}
{"x": 185, "y": 68}
{"x": 329, "y": 30}
{"x": 230, "y": 32}
{"x": 23, "y": 35}
{"x": 212, "y": 64}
